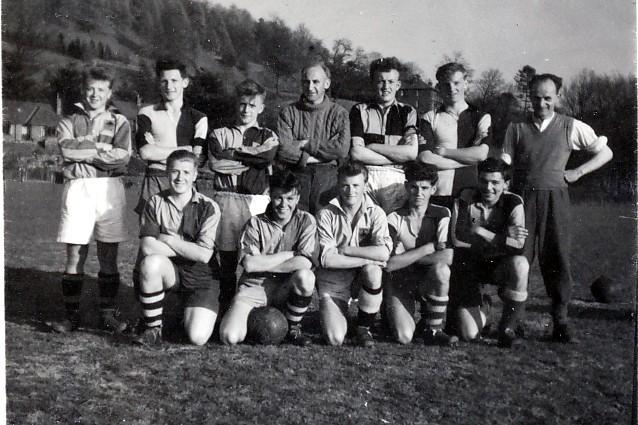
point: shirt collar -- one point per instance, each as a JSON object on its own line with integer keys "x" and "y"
{"x": 162, "y": 106}
{"x": 81, "y": 108}
{"x": 540, "y": 123}
{"x": 375, "y": 105}
{"x": 196, "y": 198}
{"x": 366, "y": 205}
{"x": 236, "y": 127}
{"x": 476, "y": 200}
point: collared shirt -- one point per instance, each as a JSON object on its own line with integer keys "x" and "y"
{"x": 78, "y": 137}
{"x": 335, "y": 229}
{"x": 196, "y": 222}
{"x": 253, "y": 152}
{"x": 470, "y": 211}
{"x": 432, "y": 229}
{"x": 444, "y": 128}
{"x": 189, "y": 129}
{"x": 264, "y": 236}
{"x": 375, "y": 124}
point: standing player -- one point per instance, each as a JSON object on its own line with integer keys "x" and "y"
{"x": 384, "y": 136}
{"x": 177, "y": 233}
{"x": 354, "y": 244}
{"x": 276, "y": 248}
{"x": 167, "y": 126}
{"x": 456, "y": 136}
{"x": 314, "y": 136}
{"x": 538, "y": 149}
{"x": 241, "y": 157}
{"x": 95, "y": 142}
{"x": 488, "y": 232}
{"x": 419, "y": 268}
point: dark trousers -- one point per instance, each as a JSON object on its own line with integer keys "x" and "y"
{"x": 318, "y": 185}
{"x": 547, "y": 217}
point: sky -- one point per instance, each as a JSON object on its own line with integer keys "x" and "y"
{"x": 557, "y": 36}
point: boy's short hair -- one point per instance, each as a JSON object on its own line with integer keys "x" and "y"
{"x": 445, "y": 72}
{"x": 317, "y": 62}
{"x": 284, "y": 180}
{"x": 417, "y": 171}
{"x": 539, "y": 78}
{"x": 495, "y": 165}
{"x": 351, "y": 169}
{"x": 250, "y": 87}
{"x": 181, "y": 155}
{"x": 168, "y": 64}
{"x": 97, "y": 73}
{"x": 385, "y": 65}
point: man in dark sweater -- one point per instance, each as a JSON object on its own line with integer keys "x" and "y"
{"x": 314, "y": 136}
{"x": 538, "y": 149}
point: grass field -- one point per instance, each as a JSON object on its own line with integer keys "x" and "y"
{"x": 93, "y": 378}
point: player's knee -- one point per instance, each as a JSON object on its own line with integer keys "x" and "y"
{"x": 304, "y": 282}
{"x": 520, "y": 265}
{"x": 229, "y": 336}
{"x": 151, "y": 265}
{"x": 334, "y": 337}
{"x": 470, "y": 322}
{"x": 372, "y": 275}
{"x": 199, "y": 335}
{"x": 441, "y": 273}
{"x": 404, "y": 335}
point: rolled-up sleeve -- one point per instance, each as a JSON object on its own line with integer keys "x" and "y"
{"x": 208, "y": 230}
{"x": 249, "y": 240}
{"x": 379, "y": 233}
{"x": 583, "y": 137}
{"x": 326, "y": 234}
{"x": 307, "y": 238}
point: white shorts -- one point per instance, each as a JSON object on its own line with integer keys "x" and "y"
{"x": 386, "y": 187}
{"x": 93, "y": 206}
{"x": 273, "y": 291}
{"x": 236, "y": 210}
{"x": 338, "y": 284}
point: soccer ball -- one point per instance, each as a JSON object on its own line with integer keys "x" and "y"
{"x": 605, "y": 290}
{"x": 267, "y": 326}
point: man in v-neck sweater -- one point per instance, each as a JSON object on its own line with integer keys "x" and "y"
{"x": 539, "y": 149}
{"x": 455, "y": 137}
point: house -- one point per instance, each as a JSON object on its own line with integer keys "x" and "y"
{"x": 419, "y": 94}
{"x": 28, "y": 121}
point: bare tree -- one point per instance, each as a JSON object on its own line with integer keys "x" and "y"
{"x": 488, "y": 87}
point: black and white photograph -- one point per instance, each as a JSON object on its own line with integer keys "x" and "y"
{"x": 319, "y": 212}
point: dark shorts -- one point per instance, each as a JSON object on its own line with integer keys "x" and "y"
{"x": 469, "y": 273}
{"x": 197, "y": 288}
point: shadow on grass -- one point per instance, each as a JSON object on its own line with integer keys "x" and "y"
{"x": 583, "y": 309}
{"x": 34, "y": 296}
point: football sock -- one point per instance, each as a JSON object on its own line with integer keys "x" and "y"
{"x": 296, "y": 306}
{"x": 71, "y": 291}
{"x": 433, "y": 310}
{"x": 365, "y": 319}
{"x": 370, "y": 299}
{"x": 512, "y": 302}
{"x": 108, "y": 285}
{"x": 152, "y": 308}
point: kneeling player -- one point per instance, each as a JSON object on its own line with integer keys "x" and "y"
{"x": 420, "y": 264}
{"x": 354, "y": 244}
{"x": 488, "y": 231}
{"x": 177, "y": 232}
{"x": 276, "y": 249}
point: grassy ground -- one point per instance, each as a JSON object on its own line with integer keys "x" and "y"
{"x": 90, "y": 377}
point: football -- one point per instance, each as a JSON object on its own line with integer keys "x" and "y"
{"x": 605, "y": 290}
{"x": 267, "y": 326}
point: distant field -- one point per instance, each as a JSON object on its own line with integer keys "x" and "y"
{"x": 90, "y": 377}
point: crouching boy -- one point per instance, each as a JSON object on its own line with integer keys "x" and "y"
{"x": 419, "y": 268}
{"x": 276, "y": 249}
{"x": 488, "y": 232}
{"x": 177, "y": 232}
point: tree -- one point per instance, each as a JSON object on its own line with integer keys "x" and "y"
{"x": 66, "y": 82}
{"x": 276, "y": 48}
{"x": 522, "y": 79}
{"x": 488, "y": 88}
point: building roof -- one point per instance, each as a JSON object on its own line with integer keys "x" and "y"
{"x": 29, "y": 113}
